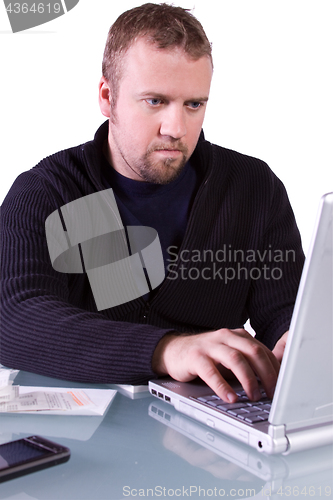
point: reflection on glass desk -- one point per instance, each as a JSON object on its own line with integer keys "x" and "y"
{"x": 143, "y": 448}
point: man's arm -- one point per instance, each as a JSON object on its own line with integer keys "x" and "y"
{"x": 49, "y": 324}
{"x": 184, "y": 357}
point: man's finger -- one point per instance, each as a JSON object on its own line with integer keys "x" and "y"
{"x": 209, "y": 373}
{"x": 238, "y": 363}
{"x": 262, "y": 361}
{"x": 280, "y": 346}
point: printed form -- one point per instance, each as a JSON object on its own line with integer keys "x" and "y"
{"x": 51, "y": 400}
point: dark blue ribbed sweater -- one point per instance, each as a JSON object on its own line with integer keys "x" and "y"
{"x": 49, "y": 321}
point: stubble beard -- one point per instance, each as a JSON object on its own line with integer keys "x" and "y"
{"x": 155, "y": 172}
{"x": 163, "y": 171}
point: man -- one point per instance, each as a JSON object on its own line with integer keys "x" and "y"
{"x": 224, "y": 221}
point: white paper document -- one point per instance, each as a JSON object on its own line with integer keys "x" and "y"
{"x": 6, "y": 377}
{"x": 8, "y": 391}
{"x": 59, "y": 401}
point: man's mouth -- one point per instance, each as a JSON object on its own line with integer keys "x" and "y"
{"x": 168, "y": 151}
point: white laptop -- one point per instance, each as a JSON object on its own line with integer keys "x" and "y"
{"x": 276, "y": 470}
{"x": 300, "y": 416}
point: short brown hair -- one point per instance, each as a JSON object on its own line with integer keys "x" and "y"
{"x": 163, "y": 25}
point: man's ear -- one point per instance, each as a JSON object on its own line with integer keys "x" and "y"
{"x": 104, "y": 97}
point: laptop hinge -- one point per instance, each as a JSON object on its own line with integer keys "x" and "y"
{"x": 277, "y": 431}
{"x": 312, "y": 437}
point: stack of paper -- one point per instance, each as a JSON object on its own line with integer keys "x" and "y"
{"x": 51, "y": 400}
{"x": 8, "y": 391}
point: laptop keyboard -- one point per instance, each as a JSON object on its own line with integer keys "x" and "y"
{"x": 244, "y": 409}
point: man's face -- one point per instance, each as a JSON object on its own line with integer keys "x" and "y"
{"x": 157, "y": 120}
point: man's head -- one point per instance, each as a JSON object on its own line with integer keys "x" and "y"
{"x": 164, "y": 26}
{"x": 157, "y": 71}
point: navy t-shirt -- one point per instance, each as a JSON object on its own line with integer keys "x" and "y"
{"x": 165, "y": 208}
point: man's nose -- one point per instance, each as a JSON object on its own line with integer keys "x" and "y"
{"x": 174, "y": 122}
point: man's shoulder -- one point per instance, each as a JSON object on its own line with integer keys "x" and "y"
{"x": 65, "y": 175}
{"x": 61, "y": 160}
{"x": 83, "y": 159}
{"x": 60, "y": 176}
{"x": 238, "y": 158}
{"x": 225, "y": 161}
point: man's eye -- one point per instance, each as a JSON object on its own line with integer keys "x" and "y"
{"x": 194, "y": 105}
{"x": 153, "y": 101}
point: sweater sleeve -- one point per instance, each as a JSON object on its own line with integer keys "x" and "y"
{"x": 43, "y": 328}
{"x": 272, "y": 298}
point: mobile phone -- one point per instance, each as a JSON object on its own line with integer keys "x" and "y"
{"x": 30, "y": 454}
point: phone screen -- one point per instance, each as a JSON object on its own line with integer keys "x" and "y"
{"x": 19, "y": 452}
{"x": 29, "y": 455}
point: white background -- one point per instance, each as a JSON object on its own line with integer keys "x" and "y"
{"x": 271, "y": 96}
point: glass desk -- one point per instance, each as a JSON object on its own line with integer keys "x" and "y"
{"x": 143, "y": 448}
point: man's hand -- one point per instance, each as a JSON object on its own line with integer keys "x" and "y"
{"x": 184, "y": 357}
{"x": 280, "y": 346}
